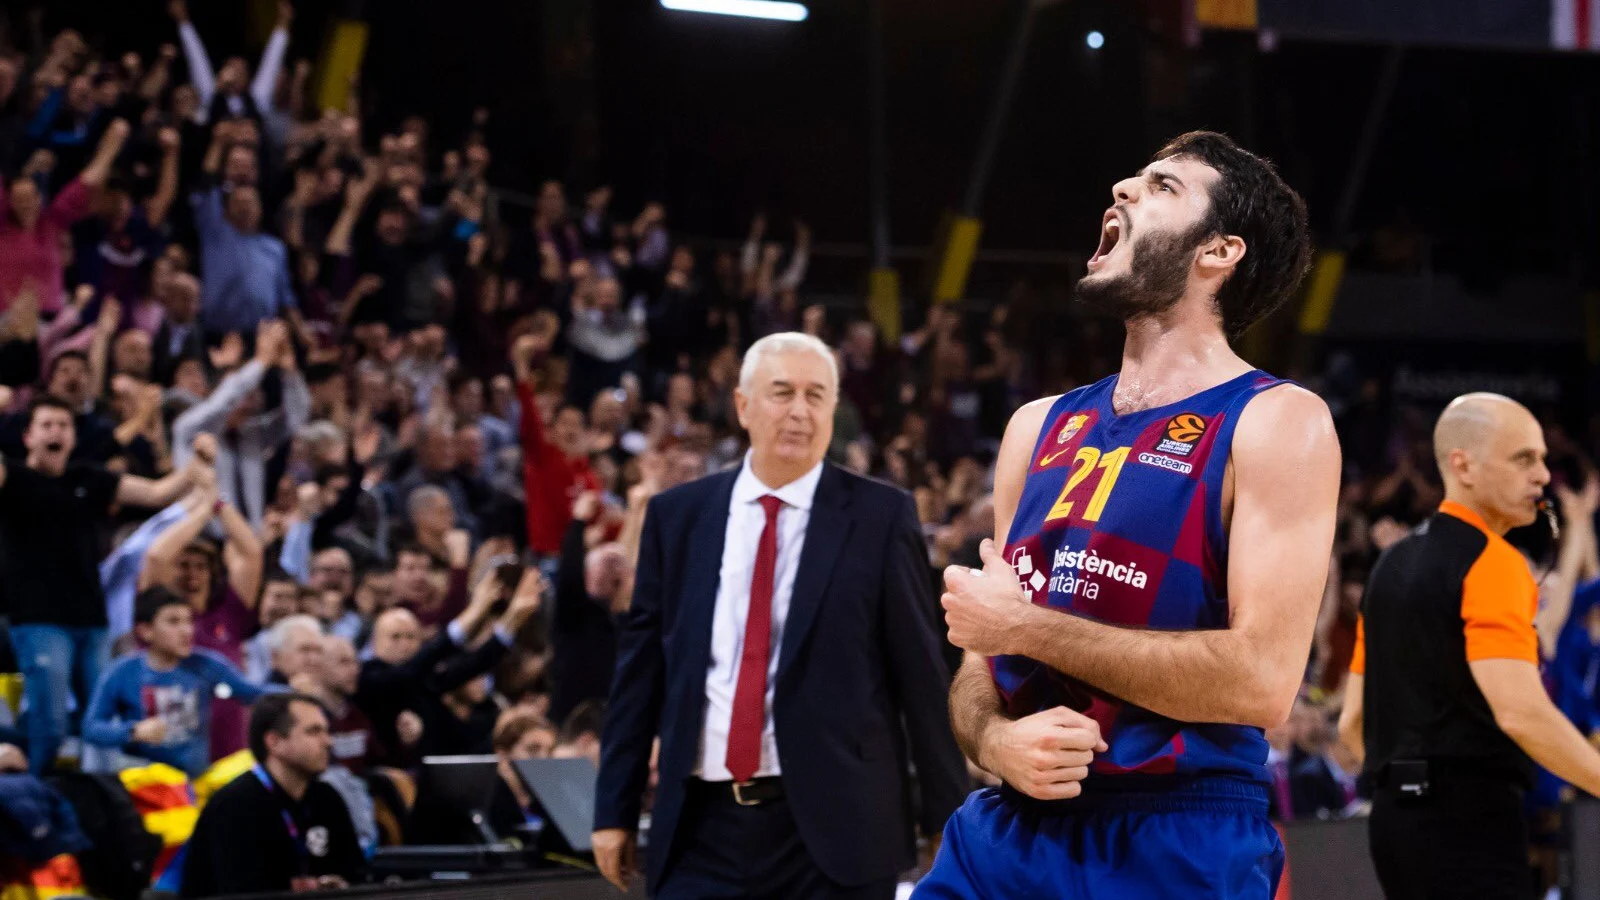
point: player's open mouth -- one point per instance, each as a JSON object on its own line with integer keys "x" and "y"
{"x": 1112, "y": 228}
{"x": 55, "y": 446}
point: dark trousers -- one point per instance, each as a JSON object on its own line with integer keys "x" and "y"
{"x": 1466, "y": 840}
{"x": 724, "y": 850}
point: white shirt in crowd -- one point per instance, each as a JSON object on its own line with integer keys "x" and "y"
{"x": 746, "y": 519}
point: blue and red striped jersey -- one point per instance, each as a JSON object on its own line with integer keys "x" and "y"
{"x": 1120, "y": 521}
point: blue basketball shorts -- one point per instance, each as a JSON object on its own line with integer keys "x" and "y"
{"x": 1202, "y": 839}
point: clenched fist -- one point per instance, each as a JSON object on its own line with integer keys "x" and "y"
{"x": 1045, "y": 755}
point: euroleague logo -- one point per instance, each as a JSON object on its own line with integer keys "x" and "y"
{"x": 1184, "y": 431}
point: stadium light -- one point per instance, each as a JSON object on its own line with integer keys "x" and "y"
{"x": 1095, "y": 40}
{"x": 749, "y": 9}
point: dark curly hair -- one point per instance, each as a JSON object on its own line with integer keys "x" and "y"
{"x": 1252, "y": 201}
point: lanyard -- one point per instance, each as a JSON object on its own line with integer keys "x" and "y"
{"x": 301, "y": 851}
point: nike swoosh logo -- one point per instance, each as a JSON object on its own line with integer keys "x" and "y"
{"x": 1045, "y": 461}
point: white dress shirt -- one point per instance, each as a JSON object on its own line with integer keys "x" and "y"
{"x": 746, "y": 520}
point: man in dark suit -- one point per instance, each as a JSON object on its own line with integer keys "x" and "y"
{"x": 783, "y": 644}
{"x": 179, "y": 337}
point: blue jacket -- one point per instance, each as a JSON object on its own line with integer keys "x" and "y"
{"x": 36, "y": 823}
{"x": 130, "y": 692}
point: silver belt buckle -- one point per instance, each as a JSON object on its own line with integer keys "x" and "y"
{"x": 738, "y": 795}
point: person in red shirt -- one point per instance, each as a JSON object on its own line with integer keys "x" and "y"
{"x": 31, "y": 229}
{"x": 555, "y": 469}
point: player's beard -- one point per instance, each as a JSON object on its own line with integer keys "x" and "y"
{"x": 1155, "y": 281}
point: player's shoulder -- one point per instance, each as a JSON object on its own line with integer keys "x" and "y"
{"x": 1285, "y": 413}
{"x": 1285, "y": 442}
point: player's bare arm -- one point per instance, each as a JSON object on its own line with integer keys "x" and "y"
{"x": 1045, "y": 755}
{"x": 1285, "y": 460}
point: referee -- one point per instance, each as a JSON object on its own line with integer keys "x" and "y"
{"x": 1445, "y": 699}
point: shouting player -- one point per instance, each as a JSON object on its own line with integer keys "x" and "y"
{"x": 1166, "y": 536}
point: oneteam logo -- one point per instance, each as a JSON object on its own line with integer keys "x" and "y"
{"x": 1165, "y": 462}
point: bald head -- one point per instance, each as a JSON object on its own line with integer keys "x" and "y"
{"x": 396, "y": 636}
{"x": 1490, "y": 451}
{"x": 1470, "y": 422}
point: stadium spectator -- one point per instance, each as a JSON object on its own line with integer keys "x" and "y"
{"x": 431, "y": 590}
{"x": 157, "y": 704}
{"x": 116, "y": 249}
{"x": 247, "y": 433}
{"x": 232, "y": 93}
{"x": 583, "y": 630}
{"x": 580, "y": 733}
{"x": 246, "y": 272}
{"x": 467, "y": 402}
{"x": 1319, "y": 787}
{"x": 32, "y": 229}
{"x": 520, "y": 734}
{"x": 554, "y": 466}
{"x": 296, "y": 645}
{"x": 407, "y": 678}
{"x": 278, "y": 595}
{"x": 50, "y": 511}
{"x": 277, "y": 828}
{"x": 222, "y": 588}
{"x": 68, "y": 379}
{"x": 339, "y": 678}
{"x": 333, "y": 573}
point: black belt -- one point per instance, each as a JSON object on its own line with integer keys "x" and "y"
{"x": 754, "y": 792}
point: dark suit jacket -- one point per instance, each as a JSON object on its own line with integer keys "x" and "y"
{"x": 860, "y": 689}
{"x": 164, "y": 361}
{"x": 583, "y": 633}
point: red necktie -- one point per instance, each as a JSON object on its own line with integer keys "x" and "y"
{"x": 750, "y": 696}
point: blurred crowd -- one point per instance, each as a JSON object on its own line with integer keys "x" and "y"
{"x": 409, "y": 438}
{"x": 317, "y": 417}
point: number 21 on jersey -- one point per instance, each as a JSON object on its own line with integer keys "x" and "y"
{"x": 1089, "y": 461}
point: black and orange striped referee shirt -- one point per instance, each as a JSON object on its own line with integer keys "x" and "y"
{"x": 1450, "y": 593}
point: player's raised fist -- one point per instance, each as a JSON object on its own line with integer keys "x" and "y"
{"x": 985, "y": 608}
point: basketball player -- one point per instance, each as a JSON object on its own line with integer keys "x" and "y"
{"x": 1164, "y": 543}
